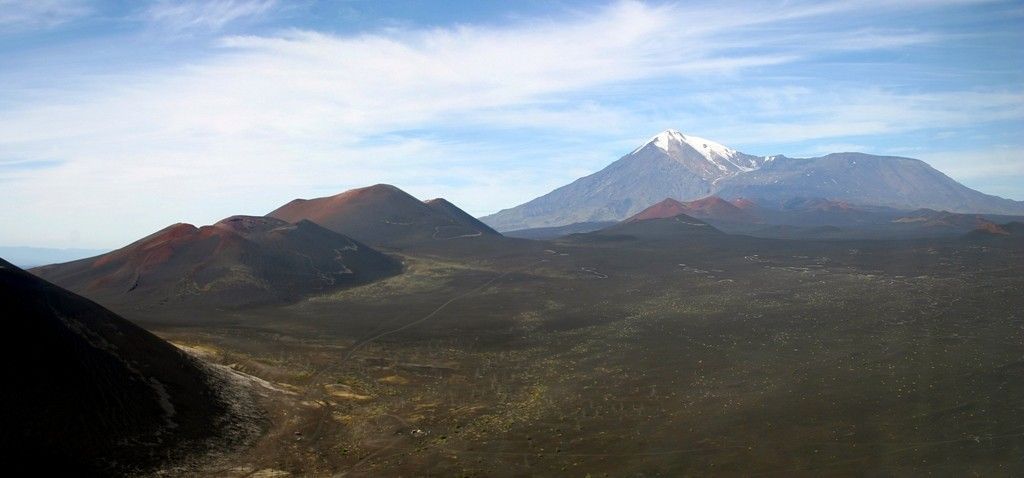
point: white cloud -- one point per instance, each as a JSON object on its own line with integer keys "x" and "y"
{"x": 21, "y": 15}
{"x": 999, "y": 161}
{"x": 267, "y": 118}
{"x": 204, "y": 14}
{"x": 790, "y": 115}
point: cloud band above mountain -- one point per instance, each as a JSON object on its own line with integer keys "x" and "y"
{"x": 487, "y": 113}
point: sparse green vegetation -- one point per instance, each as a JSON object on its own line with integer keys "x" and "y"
{"x": 808, "y": 360}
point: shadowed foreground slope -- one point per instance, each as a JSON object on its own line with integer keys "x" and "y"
{"x": 87, "y": 392}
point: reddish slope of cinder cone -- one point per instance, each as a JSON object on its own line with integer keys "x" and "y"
{"x": 679, "y": 226}
{"x": 745, "y": 204}
{"x": 238, "y": 261}
{"x": 711, "y": 208}
{"x": 462, "y": 217}
{"x": 664, "y": 220}
{"x": 664, "y": 209}
{"x": 717, "y": 209}
{"x": 385, "y": 215}
{"x": 944, "y": 219}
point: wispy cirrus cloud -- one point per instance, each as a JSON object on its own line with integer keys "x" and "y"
{"x": 264, "y": 118}
{"x": 181, "y": 15}
{"x": 304, "y": 83}
{"x": 999, "y": 161}
{"x": 796, "y": 114}
{"x": 22, "y": 15}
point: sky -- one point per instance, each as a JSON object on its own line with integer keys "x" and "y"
{"x": 118, "y": 118}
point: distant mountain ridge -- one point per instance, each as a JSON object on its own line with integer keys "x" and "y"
{"x": 684, "y": 167}
{"x": 26, "y": 257}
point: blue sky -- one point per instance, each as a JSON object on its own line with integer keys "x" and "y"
{"x": 120, "y": 117}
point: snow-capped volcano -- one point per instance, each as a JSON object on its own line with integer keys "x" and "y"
{"x": 671, "y": 140}
{"x": 710, "y": 159}
{"x": 685, "y": 167}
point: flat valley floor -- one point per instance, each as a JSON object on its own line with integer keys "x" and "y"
{"x": 621, "y": 357}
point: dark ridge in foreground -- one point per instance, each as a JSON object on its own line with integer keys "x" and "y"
{"x": 87, "y": 393}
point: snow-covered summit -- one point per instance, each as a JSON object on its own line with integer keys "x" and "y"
{"x": 707, "y": 148}
{"x": 723, "y": 158}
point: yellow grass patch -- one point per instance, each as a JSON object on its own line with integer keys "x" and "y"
{"x": 337, "y": 390}
{"x": 393, "y": 380}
